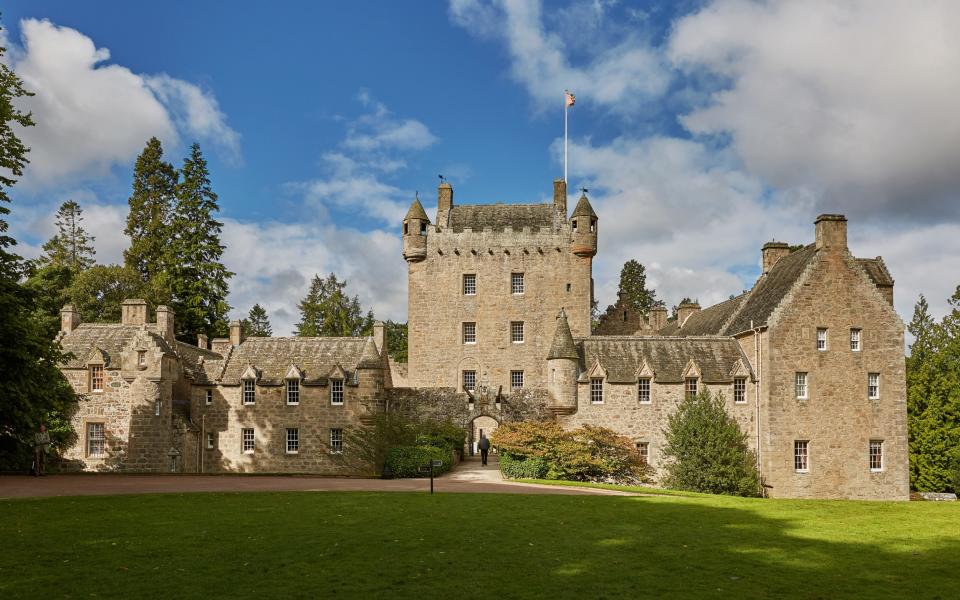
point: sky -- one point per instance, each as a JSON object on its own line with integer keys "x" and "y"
{"x": 701, "y": 129}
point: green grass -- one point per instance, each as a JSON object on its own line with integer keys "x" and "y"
{"x": 640, "y": 489}
{"x": 474, "y": 546}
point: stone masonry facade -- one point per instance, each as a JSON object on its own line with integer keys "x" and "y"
{"x": 809, "y": 361}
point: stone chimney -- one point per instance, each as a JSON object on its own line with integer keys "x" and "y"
{"x": 772, "y": 252}
{"x": 560, "y": 197}
{"x": 202, "y": 341}
{"x": 236, "y": 333}
{"x": 133, "y": 312}
{"x": 685, "y": 311}
{"x": 380, "y": 335}
{"x": 444, "y": 203}
{"x": 658, "y": 317}
{"x": 165, "y": 323}
{"x": 220, "y": 345}
{"x": 69, "y": 318}
{"x": 831, "y": 232}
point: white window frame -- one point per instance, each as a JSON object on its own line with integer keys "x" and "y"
{"x": 463, "y": 379}
{"x": 517, "y": 284}
{"x": 516, "y": 332}
{"x": 211, "y": 443}
{"x": 336, "y": 440}
{"x": 801, "y": 456}
{"x": 739, "y": 390}
{"x": 469, "y": 284}
{"x": 644, "y": 391}
{"x": 873, "y": 386}
{"x": 336, "y": 392}
{"x": 469, "y": 332}
{"x": 856, "y": 339}
{"x": 801, "y": 385}
{"x": 96, "y": 376}
{"x": 208, "y": 400}
{"x": 292, "y": 390}
{"x": 249, "y": 392}
{"x": 141, "y": 358}
{"x": 643, "y": 449}
{"x": 96, "y": 439}
{"x": 822, "y": 339}
{"x": 293, "y": 440}
{"x": 596, "y": 390}
{"x": 691, "y": 386}
{"x": 516, "y": 380}
{"x": 248, "y": 440}
{"x": 876, "y": 456}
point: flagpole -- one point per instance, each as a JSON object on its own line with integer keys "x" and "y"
{"x": 565, "y": 107}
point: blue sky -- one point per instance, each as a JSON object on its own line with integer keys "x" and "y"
{"x": 702, "y": 129}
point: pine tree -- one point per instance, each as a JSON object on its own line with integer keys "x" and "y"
{"x": 328, "y": 311}
{"x": 257, "y": 324}
{"x": 633, "y": 287}
{"x": 32, "y": 388}
{"x": 196, "y": 274}
{"x": 71, "y": 246}
{"x": 151, "y": 205}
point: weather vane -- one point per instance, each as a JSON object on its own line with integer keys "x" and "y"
{"x": 442, "y": 179}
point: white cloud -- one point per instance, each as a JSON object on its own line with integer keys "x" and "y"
{"x": 91, "y": 115}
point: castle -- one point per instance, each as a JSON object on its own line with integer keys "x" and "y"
{"x": 810, "y": 361}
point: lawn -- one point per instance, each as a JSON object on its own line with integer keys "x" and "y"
{"x": 468, "y": 546}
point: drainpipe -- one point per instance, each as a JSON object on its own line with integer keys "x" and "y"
{"x": 758, "y": 354}
{"x": 202, "y": 440}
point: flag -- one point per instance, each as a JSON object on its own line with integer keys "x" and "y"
{"x": 570, "y": 99}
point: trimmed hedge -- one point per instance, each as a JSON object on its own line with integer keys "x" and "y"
{"x": 523, "y": 468}
{"x": 405, "y": 461}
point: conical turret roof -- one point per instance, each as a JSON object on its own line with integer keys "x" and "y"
{"x": 583, "y": 208}
{"x": 370, "y": 358}
{"x": 563, "y": 346}
{"x": 416, "y": 211}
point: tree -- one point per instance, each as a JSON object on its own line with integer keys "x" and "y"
{"x": 151, "y": 204}
{"x": 257, "y": 324}
{"x": 328, "y": 311}
{"x": 708, "y": 449}
{"x": 50, "y": 286}
{"x": 71, "y": 246}
{"x": 633, "y": 287}
{"x": 195, "y": 270}
{"x": 97, "y": 292}
{"x": 32, "y": 388}
{"x": 396, "y": 340}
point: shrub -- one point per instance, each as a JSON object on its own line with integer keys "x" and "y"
{"x": 955, "y": 471}
{"x": 522, "y": 467}
{"x": 366, "y": 447}
{"x": 447, "y": 436}
{"x": 405, "y": 461}
{"x": 709, "y": 450}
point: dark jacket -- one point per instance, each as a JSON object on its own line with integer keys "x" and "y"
{"x": 483, "y": 444}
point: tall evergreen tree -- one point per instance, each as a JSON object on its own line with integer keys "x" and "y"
{"x": 633, "y": 287}
{"x": 327, "y": 310}
{"x": 151, "y": 205}
{"x": 257, "y": 324}
{"x": 32, "y": 389}
{"x": 71, "y": 246}
{"x": 197, "y": 276}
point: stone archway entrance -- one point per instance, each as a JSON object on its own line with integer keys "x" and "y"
{"x": 481, "y": 424}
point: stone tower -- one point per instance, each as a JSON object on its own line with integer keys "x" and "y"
{"x": 562, "y": 368}
{"x": 415, "y": 232}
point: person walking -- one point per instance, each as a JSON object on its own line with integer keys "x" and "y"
{"x": 41, "y": 444}
{"x": 484, "y": 445}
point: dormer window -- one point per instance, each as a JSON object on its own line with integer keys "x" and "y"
{"x": 249, "y": 392}
{"x": 336, "y": 392}
{"x": 690, "y": 387}
{"x": 293, "y": 391}
{"x": 96, "y": 378}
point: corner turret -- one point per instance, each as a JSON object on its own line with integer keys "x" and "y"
{"x": 415, "y": 233}
{"x": 583, "y": 222}
{"x": 562, "y": 365}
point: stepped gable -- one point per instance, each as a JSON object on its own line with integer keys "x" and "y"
{"x": 316, "y": 357}
{"x": 622, "y": 357}
{"x": 709, "y": 321}
{"x": 499, "y": 216}
{"x": 199, "y": 364}
{"x": 111, "y": 338}
{"x": 876, "y": 270}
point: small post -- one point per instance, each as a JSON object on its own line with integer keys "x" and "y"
{"x": 431, "y": 478}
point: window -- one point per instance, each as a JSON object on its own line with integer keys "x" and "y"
{"x": 96, "y": 440}
{"x": 157, "y": 407}
{"x": 249, "y": 391}
{"x": 596, "y": 390}
{"x": 293, "y": 391}
{"x": 643, "y": 390}
{"x": 423, "y": 229}
{"x": 516, "y": 332}
{"x": 801, "y": 386}
{"x": 470, "y": 380}
{"x": 801, "y": 456}
{"x": 141, "y": 358}
{"x": 211, "y": 441}
{"x": 469, "y": 333}
{"x": 855, "y": 340}
{"x": 293, "y": 441}
{"x": 643, "y": 449}
{"x": 470, "y": 284}
{"x": 568, "y": 287}
{"x": 96, "y": 378}
{"x": 873, "y": 386}
{"x": 209, "y": 397}
{"x": 690, "y": 387}
{"x": 821, "y": 339}
{"x": 336, "y": 391}
{"x": 406, "y": 228}
{"x": 876, "y": 455}
{"x": 593, "y": 225}
{"x": 248, "y": 441}
{"x": 336, "y": 441}
{"x": 516, "y": 283}
{"x": 516, "y": 380}
{"x": 739, "y": 390}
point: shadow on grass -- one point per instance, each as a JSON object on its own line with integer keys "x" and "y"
{"x": 473, "y": 545}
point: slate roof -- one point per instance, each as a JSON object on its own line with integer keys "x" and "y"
{"x": 316, "y": 357}
{"x": 876, "y": 270}
{"x": 584, "y": 208}
{"x": 622, "y": 357}
{"x": 562, "y": 345}
{"x": 416, "y": 211}
{"x": 498, "y": 216}
{"x": 111, "y": 338}
{"x": 199, "y": 363}
{"x": 709, "y": 321}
